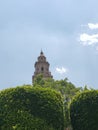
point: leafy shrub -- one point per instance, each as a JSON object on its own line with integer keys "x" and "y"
{"x": 28, "y": 108}
{"x": 84, "y": 111}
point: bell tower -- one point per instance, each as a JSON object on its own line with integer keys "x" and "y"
{"x": 42, "y": 67}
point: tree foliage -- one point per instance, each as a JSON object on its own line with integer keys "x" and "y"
{"x": 84, "y": 111}
{"x": 28, "y": 108}
{"x": 66, "y": 88}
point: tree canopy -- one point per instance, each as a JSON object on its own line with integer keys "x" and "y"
{"x": 64, "y": 86}
{"x": 43, "y": 106}
{"x": 84, "y": 111}
{"x": 28, "y": 108}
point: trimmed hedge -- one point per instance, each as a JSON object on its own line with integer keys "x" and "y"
{"x": 84, "y": 111}
{"x": 22, "y": 108}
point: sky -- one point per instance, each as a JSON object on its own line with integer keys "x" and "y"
{"x": 66, "y": 31}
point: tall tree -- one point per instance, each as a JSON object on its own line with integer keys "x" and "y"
{"x": 64, "y": 86}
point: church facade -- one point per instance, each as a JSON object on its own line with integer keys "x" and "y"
{"x": 42, "y": 67}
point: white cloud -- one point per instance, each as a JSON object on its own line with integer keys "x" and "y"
{"x": 87, "y": 39}
{"x": 93, "y": 26}
{"x": 61, "y": 70}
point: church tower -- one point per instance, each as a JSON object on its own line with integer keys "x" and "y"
{"x": 42, "y": 67}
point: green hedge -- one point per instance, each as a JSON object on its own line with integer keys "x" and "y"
{"x": 84, "y": 111}
{"x": 22, "y": 107}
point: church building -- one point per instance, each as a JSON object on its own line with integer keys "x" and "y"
{"x": 42, "y": 67}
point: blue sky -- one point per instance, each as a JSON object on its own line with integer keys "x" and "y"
{"x": 66, "y": 31}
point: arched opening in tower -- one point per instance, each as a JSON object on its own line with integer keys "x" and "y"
{"x": 42, "y": 69}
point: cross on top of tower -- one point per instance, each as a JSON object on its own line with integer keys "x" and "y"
{"x": 41, "y": 53}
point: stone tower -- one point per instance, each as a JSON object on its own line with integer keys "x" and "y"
{"x": 42, "y": 67}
